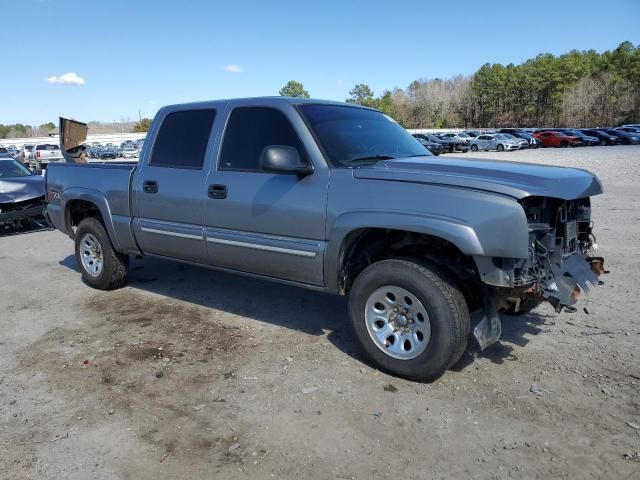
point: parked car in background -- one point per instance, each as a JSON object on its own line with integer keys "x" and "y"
{"x": 473, "y": 133}
{"x": 13, "y": 150}
{"x": 605, "y": 138}
{"x": 461, "y": 137}
{"x": 26, "y": 154}
{"x": 44, "y": 153}
{"x": 129, "y": 151}
{"x": 629, "y": 129}
{"x": 433, "y": 147}
{"x": 521, "y": 141}
{"x": 532, "y": 141}
{"x": 455, "y": 143}
{"x": 21, "y": 193}
{"x": 626, "y": 138}
{"x": 553, "y": 138}
{"x": 448, "y": 144}
{"x": 587, "y": 140}
{"x": 108, "y": 151}
{"x": 494, "y": 141}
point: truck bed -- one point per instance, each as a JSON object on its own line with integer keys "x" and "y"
{"x": 105, "y": 184}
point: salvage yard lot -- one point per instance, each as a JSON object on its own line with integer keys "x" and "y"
{"x": 189, "y": 373}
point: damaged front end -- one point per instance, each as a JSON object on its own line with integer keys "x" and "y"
{"x": 560, "y": 265}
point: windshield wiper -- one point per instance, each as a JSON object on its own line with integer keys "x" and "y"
{"x": 370, "y": 158}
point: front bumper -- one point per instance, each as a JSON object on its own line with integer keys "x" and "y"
{"x": 23, "y": 212}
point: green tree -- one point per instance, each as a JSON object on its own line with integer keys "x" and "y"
{"x": 362, "y": 95}
{"x": 142, "y": 126}
{"x": 294, "y": 89}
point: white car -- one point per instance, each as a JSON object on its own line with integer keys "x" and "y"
{"x": 463, "y": 137}
{"x": 43, "y": 153}
{"x": 494, "y": 141}
{"x": 129, "y": 151}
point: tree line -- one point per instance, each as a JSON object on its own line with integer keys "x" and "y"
{"x": 576, "y": 89}
{"x": 18, "y": 130}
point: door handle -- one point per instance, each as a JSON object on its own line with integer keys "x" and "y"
{"x": 150, "y": 186}
{"x": 217, "y": 191}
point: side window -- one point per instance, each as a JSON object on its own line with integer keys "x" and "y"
{"x": 182, "y": 139}
{"x": 249, "y": 131}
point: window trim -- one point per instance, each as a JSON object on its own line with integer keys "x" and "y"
{"x": 159, "y": 129}
{"x": 303, "y": 150}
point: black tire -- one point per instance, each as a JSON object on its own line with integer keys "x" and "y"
{"x": 500, "y": 148}
{"x": 452, "y": 149}
{"x": 115, "y": 265}
{"x": 445, "y": 305}
{"x": 564, "y": 144}
{"x": 474, "y": 148}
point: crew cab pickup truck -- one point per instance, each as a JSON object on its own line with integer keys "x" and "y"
{"x": 338, "y": 198}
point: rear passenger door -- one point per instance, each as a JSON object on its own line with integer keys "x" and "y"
{"x": 170, "y": 187}
{"x": 261, "y": 222}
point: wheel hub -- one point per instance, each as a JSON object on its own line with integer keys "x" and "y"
{"x": 397, "y": 322}
{"x": 91, "y": 255}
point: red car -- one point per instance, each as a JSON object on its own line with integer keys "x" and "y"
{"x": 557, "y": 139}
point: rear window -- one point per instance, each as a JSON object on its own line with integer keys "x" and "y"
{"x": 28, "y": 148}
{"x": 182, "y": 139}
{"x": 47, "y": 147}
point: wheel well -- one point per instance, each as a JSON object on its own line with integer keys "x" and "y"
{"x": 365, "y": 246}
{"x": 78, "y": 210}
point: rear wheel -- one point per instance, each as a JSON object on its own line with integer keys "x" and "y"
{"x": 500, "y": 148}
{"x": 474, "y": 148}
{"x": 409, "y": 317}
{"x": 100, "y": 265}
{"x": 564, "y": 144}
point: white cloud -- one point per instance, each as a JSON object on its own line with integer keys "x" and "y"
{"x": 71, "y": 78}
{"x": 232, "y": 68}
{"x": 340, "y": 83}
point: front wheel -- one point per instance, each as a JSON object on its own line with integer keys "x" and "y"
{"x": 474, "y": 148}
{"x": 500, "y": 148}
{"x": 409, "y": 317}
{"x": 100, "y": 265}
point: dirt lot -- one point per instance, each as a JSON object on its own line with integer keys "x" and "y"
{"x": 188, "y": 373}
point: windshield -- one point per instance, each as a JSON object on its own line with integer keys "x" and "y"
{"x": 352, "y": 136}
{"x": 47, "y": 147}
{"x": 12, "y": 169}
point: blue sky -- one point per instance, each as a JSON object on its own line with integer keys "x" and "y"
{"x": 141, "y": 54}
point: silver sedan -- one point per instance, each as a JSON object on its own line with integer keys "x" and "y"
{"x": 494, "y": 141}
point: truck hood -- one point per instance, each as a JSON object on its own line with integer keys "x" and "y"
{"x": 515, "y": 179}
{"x": 20, "y": 189}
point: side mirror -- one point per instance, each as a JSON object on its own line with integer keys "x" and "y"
{"x": 36, "y": 171}
{"x": 285, "y": 159}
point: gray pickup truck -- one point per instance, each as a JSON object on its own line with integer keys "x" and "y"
{"x": 338, "y": 198}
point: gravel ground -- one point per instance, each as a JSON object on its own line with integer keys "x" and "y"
{"x": 188, "y": 373}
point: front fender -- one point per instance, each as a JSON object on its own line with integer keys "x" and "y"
{"x": 493, "y": 226}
